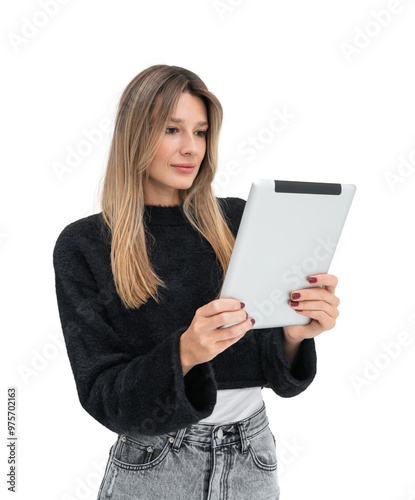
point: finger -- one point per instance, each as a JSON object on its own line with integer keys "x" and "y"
{"x": 315, "y": 305}
{"x": 220, "y": 305}
{"x": 315, "y": 294}
{"x": 228, "y": 318}
{"x": 327, "y": 280}
{"x": 325, "y": 322}
{"x": 235, "y": 330}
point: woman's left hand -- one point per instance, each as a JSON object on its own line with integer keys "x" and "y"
{"x": 320, "y": 304}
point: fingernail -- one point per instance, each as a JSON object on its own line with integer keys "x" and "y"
{"x": 295, "y": 304}
{"x": 247, "y": 315}
{"x": 242, "y": 305}
{"x": 252, "y": 321}
{"x": 312, "y": 280}
{"x": 296, "y": 295}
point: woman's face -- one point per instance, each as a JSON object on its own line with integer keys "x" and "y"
{"x": 184, "y": 143}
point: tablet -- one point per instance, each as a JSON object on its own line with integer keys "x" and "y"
{"x": 289, "y": 230}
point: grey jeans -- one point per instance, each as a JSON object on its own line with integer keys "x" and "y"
{"x": 235, "y": 461}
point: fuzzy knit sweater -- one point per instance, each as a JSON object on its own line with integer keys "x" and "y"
{"x": 126, "y": 364}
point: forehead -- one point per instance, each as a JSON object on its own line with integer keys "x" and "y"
{"x": 186, "y": 104}
{"x": 190, "y": 105}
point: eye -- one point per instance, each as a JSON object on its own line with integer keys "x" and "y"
{"x": 170, "y": 128}
{"x": 202, "y": 133}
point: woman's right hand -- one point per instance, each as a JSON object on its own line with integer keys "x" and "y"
{"x": 204, "y": 339}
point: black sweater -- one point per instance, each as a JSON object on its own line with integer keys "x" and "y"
{"x": 126, "y": 364}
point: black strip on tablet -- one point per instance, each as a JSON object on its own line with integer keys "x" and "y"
{"x": 307, "y": 187}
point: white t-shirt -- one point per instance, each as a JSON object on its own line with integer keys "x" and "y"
{"x": 235, "y": 404}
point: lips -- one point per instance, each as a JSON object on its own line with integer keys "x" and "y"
{"x": 184, "y": 165}
{"x": 184, "y": 168}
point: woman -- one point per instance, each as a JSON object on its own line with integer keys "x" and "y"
{"x": 137, "y": 288}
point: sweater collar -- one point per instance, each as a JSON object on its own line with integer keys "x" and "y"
{"x": 164, "y": 215}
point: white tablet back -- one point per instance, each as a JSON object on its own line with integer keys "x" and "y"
{"x": 289, "y": 231}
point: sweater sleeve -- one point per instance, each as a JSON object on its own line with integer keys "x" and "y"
{"x": 284, "y": 380}
{"x": 127, "y": 393}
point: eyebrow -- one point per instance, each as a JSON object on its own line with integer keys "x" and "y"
{"x": 179, "y": 120}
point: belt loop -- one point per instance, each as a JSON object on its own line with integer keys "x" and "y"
{"x": 178, "y": 439}
{"x": 243, "y": 437}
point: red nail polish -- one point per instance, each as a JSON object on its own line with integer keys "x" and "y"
{"x": 242, "y": 305}
{"x": 295, "y": 304}
{"x": 312, "y": 280}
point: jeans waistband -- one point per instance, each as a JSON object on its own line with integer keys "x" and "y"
{"x": 223, "y": 434}
{"x": 214, "y": 435}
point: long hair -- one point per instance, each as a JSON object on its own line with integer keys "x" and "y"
{"x": 138, "y": 133}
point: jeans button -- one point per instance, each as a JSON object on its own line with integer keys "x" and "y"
{"x": 220, "y": 433}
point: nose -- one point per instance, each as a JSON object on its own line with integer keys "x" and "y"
{"x": 189, "y": 145}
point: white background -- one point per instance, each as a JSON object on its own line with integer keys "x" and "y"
{"x": 353, "y": 122}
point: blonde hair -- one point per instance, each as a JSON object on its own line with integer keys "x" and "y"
{"x": 138, "y": 133}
